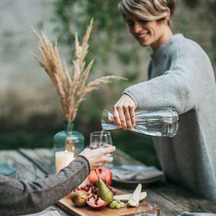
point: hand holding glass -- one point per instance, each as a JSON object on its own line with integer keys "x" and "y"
{"x": 100, "y": 139}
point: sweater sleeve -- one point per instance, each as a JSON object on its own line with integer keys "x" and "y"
{"x": 22, "y": 197}
{"x": 176, "y": 88}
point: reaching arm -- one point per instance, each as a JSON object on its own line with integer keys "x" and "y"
{"x": 173, "y": 89}
{"x": 178, "y": 87}
{"x": 21, "y": 197}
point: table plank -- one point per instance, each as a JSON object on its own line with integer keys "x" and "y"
{"x": 13, "y": 157}
{"x": 184, "y": 199}
{"x": 43, "y": 158}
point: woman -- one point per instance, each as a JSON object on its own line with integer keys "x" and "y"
{"x": 20, "y": 197}
{"x": 181, "y": 76}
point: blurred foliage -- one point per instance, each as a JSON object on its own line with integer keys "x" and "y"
{"x": 138, "y": 146}
{"x": 205, "y": 12}
{"x": 211, "y": 17}
{"x": 192, "y": 4}
{"x": 73, "y": 16}
{"x": 25, "y": 139}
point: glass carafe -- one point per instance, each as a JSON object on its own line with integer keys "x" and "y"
{"x": 162, "y": 122}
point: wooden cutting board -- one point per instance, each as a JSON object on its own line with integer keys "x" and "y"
{"x": 68, "y": 205}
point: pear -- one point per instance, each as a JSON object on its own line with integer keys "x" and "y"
{"x": 135, "y": 198}
{"x": 104, "y": 192}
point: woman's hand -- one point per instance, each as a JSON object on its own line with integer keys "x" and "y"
{"x": 97, "y": 157}
{"x": 124, "y": 112}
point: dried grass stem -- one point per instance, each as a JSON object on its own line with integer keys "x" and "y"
{"x": 72, "y": 88}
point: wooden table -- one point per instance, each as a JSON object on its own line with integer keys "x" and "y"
{"x": 171, "y": 198}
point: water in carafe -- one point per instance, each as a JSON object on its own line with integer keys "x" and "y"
{"x": 163, "y": 122}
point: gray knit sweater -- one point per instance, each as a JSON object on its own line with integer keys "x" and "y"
{"x": 181, "y": 76}
{"x": 21, "y": 197}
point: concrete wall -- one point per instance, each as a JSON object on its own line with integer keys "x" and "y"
{"x": 25, "y": 89}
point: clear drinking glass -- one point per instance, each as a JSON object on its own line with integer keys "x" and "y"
{"x": 100, "y": 139}
{"x": 146, "y": 209}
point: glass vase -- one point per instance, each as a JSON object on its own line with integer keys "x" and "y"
{"x": 67, "y": 145}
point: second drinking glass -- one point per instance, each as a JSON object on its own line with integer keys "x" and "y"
{"x": 100, "y": 139}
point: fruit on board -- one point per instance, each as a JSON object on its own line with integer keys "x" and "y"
{"x": 116, "y": 204}
{"x": 135, "y": 198}
{"x": 96, "y": 202}
{"x": 79, "y": 198}
{"x": 86, "y": 188}
{"x": 126, "y": 197}
{"x": 104, "y": 192}
{"x": 113, "y": 204}
{"x": 103, "y": 172}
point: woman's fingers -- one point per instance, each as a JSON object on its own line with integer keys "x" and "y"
{"x": 98, "y": 157}
{"x": 124, "y": 112}
{"x": 107, "y": 159}
{"x": 128, "y": 118}
{"x": 116, "y": 117}
{"x": 108, "y": 150}
{"x": 132, "y": 115}
{"x": 105, "y": 152}
{"x": 122, "y": 116}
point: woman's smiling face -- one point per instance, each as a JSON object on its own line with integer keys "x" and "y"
{"x": 148, "y": 33}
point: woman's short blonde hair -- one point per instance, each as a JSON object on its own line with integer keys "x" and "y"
{"x": 147, "y": 9}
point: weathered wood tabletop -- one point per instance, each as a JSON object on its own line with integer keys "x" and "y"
{"x": 171, "y": 199}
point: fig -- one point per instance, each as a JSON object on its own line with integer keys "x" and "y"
{"x": 96, "y": 202}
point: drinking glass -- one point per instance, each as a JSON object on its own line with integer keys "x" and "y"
{"x": 100, "y": 139}
{"x": 146, "y": 209}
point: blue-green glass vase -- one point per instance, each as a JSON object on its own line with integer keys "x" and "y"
{"x": 67, "y": 142}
